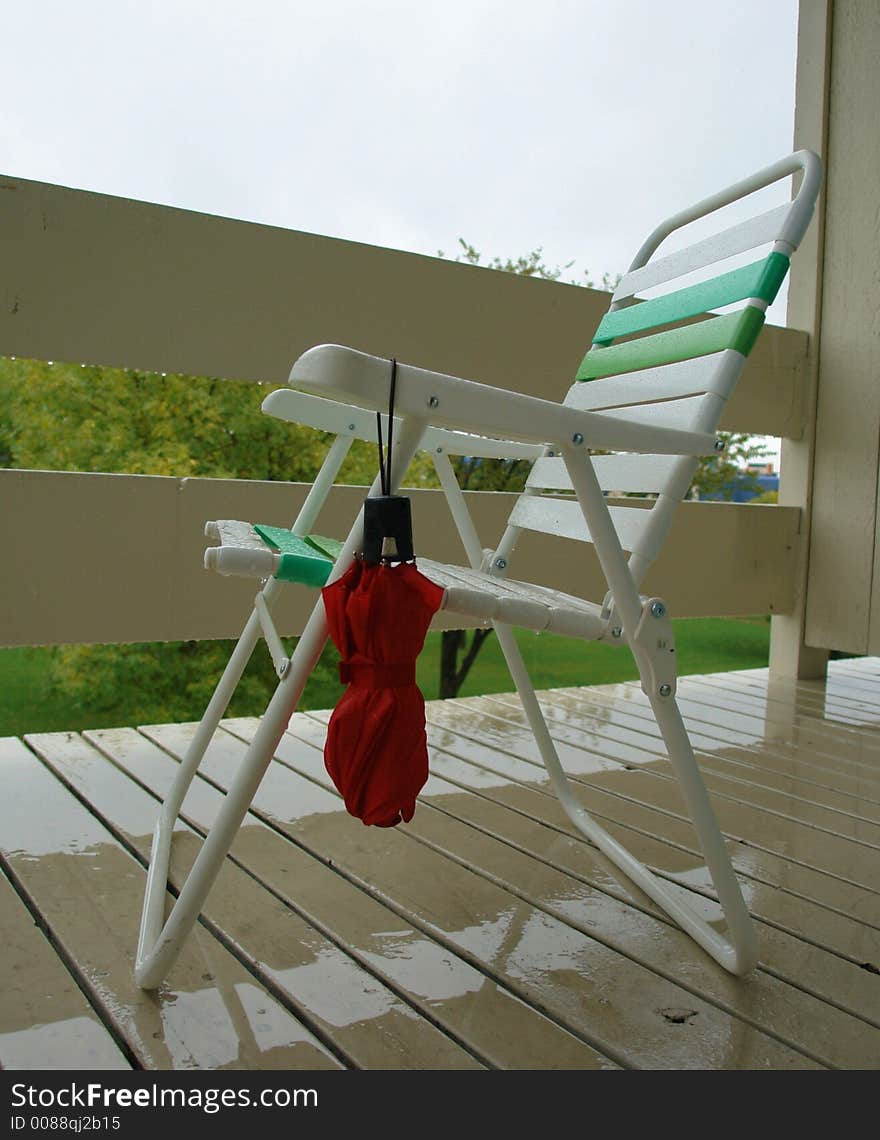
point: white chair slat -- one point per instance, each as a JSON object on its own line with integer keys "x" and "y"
{"x": 738, "y": 239}
{"x": 666, "y": 382}
{"x": 626, "y": 473}
{"x": 684, "y": 414}
{"x": 563, "y": 517}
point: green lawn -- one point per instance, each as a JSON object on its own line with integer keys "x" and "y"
{"x": 703, "y": 645}
{"x": 31, "y": 699}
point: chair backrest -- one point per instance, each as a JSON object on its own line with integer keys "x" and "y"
{"x": 640, "y": 369}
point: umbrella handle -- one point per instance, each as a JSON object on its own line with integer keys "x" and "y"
{"x": 387, "y": 516}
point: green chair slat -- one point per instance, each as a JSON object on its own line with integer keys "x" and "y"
{"x": 738, "y": 331}
{"x": 332, "y": 547}
{"x": 760, "y": 279}
{"x": 300, "y": 560}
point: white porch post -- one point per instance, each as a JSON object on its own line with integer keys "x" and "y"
{"x": 790, "y": 657}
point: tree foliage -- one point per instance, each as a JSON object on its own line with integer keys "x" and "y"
{"x": 66, "y": 417}
{"x": 531, "y": 264}
{"x": 720, "y": 477}
{"x": 164, "y": 682}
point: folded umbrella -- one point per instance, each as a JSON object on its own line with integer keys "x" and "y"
{"x": 376, "y": 751}
{"x": 378, "y": 613}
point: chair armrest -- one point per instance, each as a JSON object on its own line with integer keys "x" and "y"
{"x": 346, "y": 419}
{"x": 449, "y": 402}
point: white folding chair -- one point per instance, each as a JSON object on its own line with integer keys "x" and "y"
{"x": 649, "y": 404}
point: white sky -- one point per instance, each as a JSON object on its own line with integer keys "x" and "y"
{"x": 574, "y": 125}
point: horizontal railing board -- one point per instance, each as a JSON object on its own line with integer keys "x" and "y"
{"x": 118, "y": 558}
{"x": 103, "y": 280}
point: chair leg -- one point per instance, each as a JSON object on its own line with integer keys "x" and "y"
{"x": 737, "y": 953}
{"x": 742, "y": 947}
{"x": 158, "y": 944}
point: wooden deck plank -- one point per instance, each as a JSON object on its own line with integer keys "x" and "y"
{"x": 790, "y": 925}
{"x": 811, "y": 697}
{"x": 724, "y": 776}
{"x": 523, "y": 941}
{"x": 837, "y": 713}
{"x": 784, "y": 954}
{"x": 817, "y": 855}
{"x": 440, "y": 985}
{"x": 845, "y": 700}
{"x": 825, "y": 707}
{"x": 367, "y": 1022}
{"x": 862, "y": 688}
{"x": 762, "y": 756}
{"x": 572, "y": 724}
{"x": 779, "y": 714}
{"x": 775, "y": 889}
{"x": 485, "y": 926}
{"x": 757, "y": 709}
{"x": 89, "y": 891}
{"x": 45, "y": 1021}
{"x": 823, "y": 976}
{"x": 858, "y": 676}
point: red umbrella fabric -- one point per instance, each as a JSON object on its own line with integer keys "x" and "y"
{"x": 376, "y": 751}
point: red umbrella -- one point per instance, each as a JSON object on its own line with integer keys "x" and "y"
{"x": 376, "y": 750}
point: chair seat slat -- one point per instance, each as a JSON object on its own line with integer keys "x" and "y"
{"x": 476, "y": 594}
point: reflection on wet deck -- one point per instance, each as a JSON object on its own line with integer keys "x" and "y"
{"x": 481, "y": 935}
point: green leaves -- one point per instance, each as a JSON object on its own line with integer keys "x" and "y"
{"x": 721, "y": 476}
{"x": 69, "y": 417}
{"x": 531, "y": 264}
{"x": 163, "y": 682}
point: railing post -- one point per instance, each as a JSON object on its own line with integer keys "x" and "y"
{"x": 789, "y": 655}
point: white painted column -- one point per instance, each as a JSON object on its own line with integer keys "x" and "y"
{"x": 790, "y": 656}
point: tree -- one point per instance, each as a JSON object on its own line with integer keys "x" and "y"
{"x": 719, "y": 477}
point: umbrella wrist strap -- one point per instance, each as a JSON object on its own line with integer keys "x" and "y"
{"x": 364, "y": 676}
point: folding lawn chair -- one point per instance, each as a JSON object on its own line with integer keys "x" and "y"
{"x": 650, "y": 404}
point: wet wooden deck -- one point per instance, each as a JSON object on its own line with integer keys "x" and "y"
{"x": 481, "y": 935}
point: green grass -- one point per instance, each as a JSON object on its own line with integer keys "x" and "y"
{"x": 703, "y": 645}
{"x": 32, "y": 700}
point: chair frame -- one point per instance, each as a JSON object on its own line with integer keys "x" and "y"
{"x": 444, "y": 415}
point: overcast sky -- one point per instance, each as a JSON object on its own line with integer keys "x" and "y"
{"x": 574, "y": 125}
{"x": 570, "y": 124}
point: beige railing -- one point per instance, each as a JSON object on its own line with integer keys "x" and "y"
{"x": 114, "y": 558}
